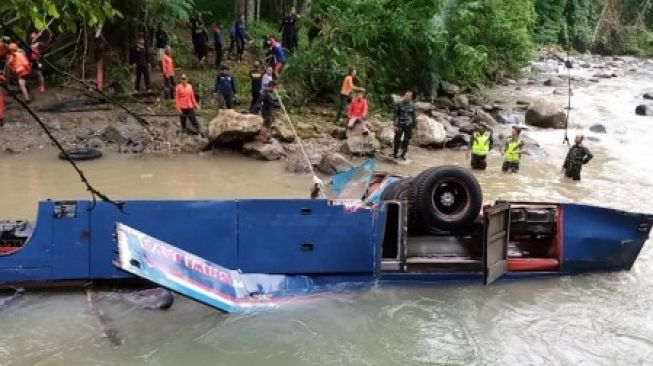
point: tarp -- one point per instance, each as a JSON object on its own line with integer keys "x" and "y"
{"x": 353, "y": 183}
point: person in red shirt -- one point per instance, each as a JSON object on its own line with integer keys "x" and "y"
{"x": 357, "y": 112}
{"x": 20, "y": 65}
{"x": 36, "y": 52}
{"x": 168, "y": 69}
{"x": 186, "y": 104}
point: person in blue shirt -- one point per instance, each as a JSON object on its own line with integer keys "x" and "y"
{"x": 225, "y": 86}
{"x": 276, "y": 50}
{"x": 241, "y": 36}
{"x": 217, "y": 43}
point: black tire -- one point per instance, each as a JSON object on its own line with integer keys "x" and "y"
{"x": 447, "y": 198}
{"x": 80, "y": 154}
{"x": 399, "y": 190}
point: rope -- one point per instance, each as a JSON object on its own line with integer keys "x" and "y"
{"x": 316, "y": 179}
{"x": 94, "y": 192}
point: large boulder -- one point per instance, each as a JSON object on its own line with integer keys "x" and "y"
{"x": 333, "y": 163}
{"x": 545, "y": 114}
{"x": 644, "y": 110}
{"x": 230, "y": 127}
{"x": 502, "y": 116}
{"x": 485, "y": 117}
{"x": 360, "y": 145}
{"x": 554, "y": 82}
{"x": 339, "y": 133}
{"x": 296, "y": 163}
{"x": 460, "y": 101}
{"x": 262, "y": 151}
{"x": 387, "y": 136}
{"x": 428, "y": 132}
{"x": 458, "y": 140}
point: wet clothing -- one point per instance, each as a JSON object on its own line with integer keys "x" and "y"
{"x": 225, "y": 86}
{"x": 404, "y": 122}
{"x": 186, "y": 103}
{"x": 140, "y": 57}
{"x": 577, "y": 156}
{"x": 480, "y": 146}
{"x": 267, "y": 108}
{"x": 288, "y": 30}
{"x": 217, "y": 43}
{"x": 512, "y": 155}
{"x": 256, "y": 79}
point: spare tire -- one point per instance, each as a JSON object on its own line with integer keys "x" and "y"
{"x": 446, "y": 198}
{"x": 82, "y": 153}
{"x": 399, "y": 190}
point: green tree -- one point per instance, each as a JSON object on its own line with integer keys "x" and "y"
{"x": 40, "y": 13}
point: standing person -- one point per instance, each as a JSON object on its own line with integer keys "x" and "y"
{"x": 480, "y": 146}
{"x": 288, "y": 28}
{"x": 141, "y": 59}
{"x": 36, "y": 52}
{"x": 168, "y": 69}
{"x": 217, "y": 43}
{"x": 161, "y": 38}
{"x": 267, "y": 77}
{"x": 200, "y": 43}
{"x": 267, "y": 111}
{"x": 279, "y": 57}
{"x": 186, "y": 104}
{"x": 357, "y": 111}
{"x": 404, "y": 122}
{"x": 225, "y": 86}
{"x": 20, "y": 65}
{"x": 345, "y": 92}
{"x": 512, "y": 152}
{"x": 241, "y": 36}
{"x": 256, "y": 78}
{"x": 577, "y": 156}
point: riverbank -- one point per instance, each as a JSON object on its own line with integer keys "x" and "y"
{"x": 446, "y": 121}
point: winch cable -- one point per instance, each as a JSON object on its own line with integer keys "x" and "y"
{"x": 95, "y": 194}
{"x": 88, "y": 86}
{"x": 316, "y": 180}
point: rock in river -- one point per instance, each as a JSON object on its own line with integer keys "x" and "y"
{"x": 598, "y": 128}
{"x": 545, "y": 114}
{"x": 333, "y": 163}
{"x": 360, "y": 145}
{"x": 428, "y": 132}
{"x": 230, "y": 127}
{"x": 387, "y": 135}
{"x": 644, "y": 110}
{"x": 263, "y": 151}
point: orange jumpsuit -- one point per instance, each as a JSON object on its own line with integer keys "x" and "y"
{"x": 19, "y": 64}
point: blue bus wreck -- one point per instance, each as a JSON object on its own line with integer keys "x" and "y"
{"x": 241, "y": 254}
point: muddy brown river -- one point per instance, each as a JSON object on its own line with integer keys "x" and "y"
{"x": 601, "y": 319}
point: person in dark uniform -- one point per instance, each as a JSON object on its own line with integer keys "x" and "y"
{"x": 288, "y": 28}
{"x": 577, "y": 156}
{"x": 225, "y": 86}
{"x": 217, "y": 43}
{"x": 256, "y": 78}
{"x": 404, "y": 122}
{"x": 267, "y": 110}
{"x": 141, "y": 59}
{"x": 480, "y": 145}
{"x": 241, "y": 37}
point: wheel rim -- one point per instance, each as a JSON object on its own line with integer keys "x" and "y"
{"x": 450, "y": 199}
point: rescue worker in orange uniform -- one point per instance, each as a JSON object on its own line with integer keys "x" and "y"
{"x": 186, "y": 104}
{"x": 168, "y": 69}
{"x": 19, "y": 64}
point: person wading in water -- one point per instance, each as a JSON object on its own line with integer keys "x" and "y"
{"x": 577, "y": 156}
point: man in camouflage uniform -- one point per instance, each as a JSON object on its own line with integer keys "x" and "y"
{"x": 577, "y": 156}
{"x": 404, "y": 122}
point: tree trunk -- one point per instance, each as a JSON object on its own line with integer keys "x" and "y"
{"x": 251, "y": 10}
{"x": 258, "y": 10}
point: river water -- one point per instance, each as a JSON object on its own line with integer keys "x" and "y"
{"x": 602, "y": 319}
